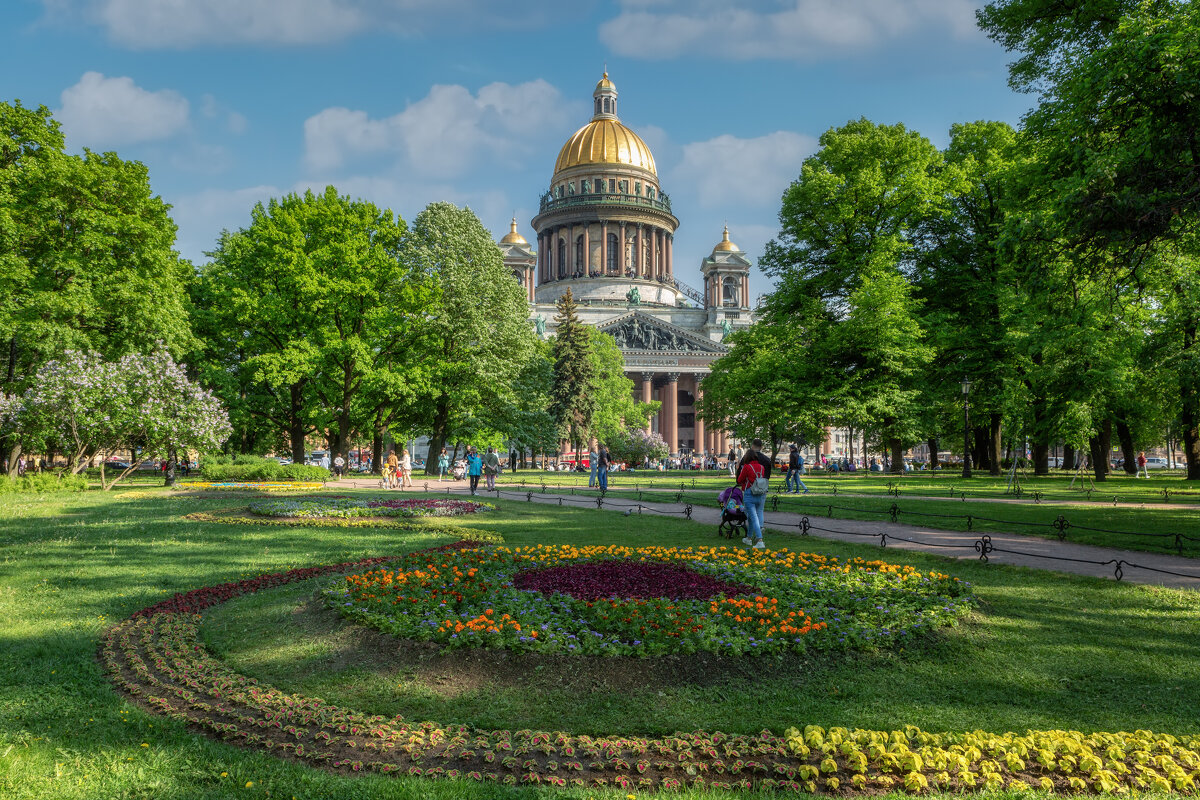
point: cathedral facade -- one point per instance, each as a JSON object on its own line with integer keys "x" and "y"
{"x": 605, "y": 230}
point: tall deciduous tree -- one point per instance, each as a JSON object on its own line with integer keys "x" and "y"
{"x": 844, "y": 250}
{"x": 476, "y": 334}
{"x": 312, "y": 306}
{"x": 616, "y": 408}
{"x": 573, "y": 403}
{"x": 86, "y": 258}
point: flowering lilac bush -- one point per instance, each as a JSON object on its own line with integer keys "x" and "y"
{"x": 634, "y": 446}
{"x": 344, "y": 507}
{"x": 84, "y": 404}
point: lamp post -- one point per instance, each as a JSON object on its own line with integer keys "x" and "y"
{"x": 966, "y": 390}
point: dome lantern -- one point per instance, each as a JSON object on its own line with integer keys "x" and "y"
{"x": 605, "y": 99}
{"x": 725, "y": 246}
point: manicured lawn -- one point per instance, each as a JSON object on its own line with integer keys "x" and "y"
{"x": 1042, "y": 651}
{"x": 1134, "y": 519}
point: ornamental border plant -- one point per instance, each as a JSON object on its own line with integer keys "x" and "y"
{"x": 238, "y": 516}
{"x": 351, "y": 507}
{"x": 158, "y": 659}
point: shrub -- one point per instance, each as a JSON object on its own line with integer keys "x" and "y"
{"x": 303, "y": 472}
{"x": 257, "y": 468}
{"x": 43, "y": 482}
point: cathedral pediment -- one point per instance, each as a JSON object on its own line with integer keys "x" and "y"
{"x": 639, "y": 332}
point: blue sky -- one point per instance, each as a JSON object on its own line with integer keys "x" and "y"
{"x": 407, "y": 102}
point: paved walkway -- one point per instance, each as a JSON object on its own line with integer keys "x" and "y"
{"x": 1002, "y": 548}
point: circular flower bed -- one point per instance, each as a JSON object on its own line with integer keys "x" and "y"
{"x": 649, "y": 601}
{"x": 158, "y": 659}
{"x": 345, "y": 507}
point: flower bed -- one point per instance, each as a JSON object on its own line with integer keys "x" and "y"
{"x": 254, "y": 486}
{"x": 239, "y": 516}
{"x": 650, "y": 601}
{"x": 158, "y": 659}
{"x": 346, "y": 507}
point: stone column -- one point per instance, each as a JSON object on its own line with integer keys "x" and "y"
{"x": 623, "y": 258}
{"x": 671, "y": 407}
{"x": 587, "y": 250}
{"x": 701, "y": 444}
{"x": 603, "y": 247}
{"x": 670, "y": 242}
{"x": 653, "y": 253}
{"x": 745, "y": 291}
{"x": 648, "y": 395}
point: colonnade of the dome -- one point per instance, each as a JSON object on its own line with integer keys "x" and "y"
{"x": 573, "y": 250}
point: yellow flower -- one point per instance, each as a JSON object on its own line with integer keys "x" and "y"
{"x": 145, "y": 745}
{"x": 224, "y": 774}
{"x": 249, "y": 784}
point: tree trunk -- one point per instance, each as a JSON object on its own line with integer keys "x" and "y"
{"x": 1041, "y": 458}
{"x": 296, "y": 432}
{"x": 979, "y": 450}
{"x": 1068, "y": 461}
{"x": 850, "y": 446}
{"x": 1099, "y": 447}
{"x": 377, "y": 451}
{"x": 933, "y": 453}
{"x": 995, "y": 445}
{"x": 1128, "y": 456}
{"x": 1041, "y": 438}
{"x": 897, "y": 450}
{"x": 441, "y": 422}
{"x": 1190, "y": 402}
{"x": 172, "y": 460}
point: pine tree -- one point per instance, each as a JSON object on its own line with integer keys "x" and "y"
{"x": 574, "y": 396}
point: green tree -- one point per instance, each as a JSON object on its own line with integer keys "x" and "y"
{"x": 616, "y": 409}
{"x": 86, "y": 258}
{"x": 476, "y": 335}
{"x": 310, "y": 304}
{"x": 846, "y": 243}
{"x": 574, "y": 400}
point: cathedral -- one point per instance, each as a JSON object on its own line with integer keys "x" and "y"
{"x": 605, "y": 230}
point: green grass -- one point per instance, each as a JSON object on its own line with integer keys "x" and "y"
{"x": 1044, "y": 650}
{"x": 865, "y": 497}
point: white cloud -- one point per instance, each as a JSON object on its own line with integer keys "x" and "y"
{"x": 101, "y": 112}
{"x": 202, "y": 216}
{"x": 184, "y": 23}
{"x": 728, "y": 171}
{"x": 156, "y": 24}
{"x": 801, "y": 29}
{"x": 443, "y": 133}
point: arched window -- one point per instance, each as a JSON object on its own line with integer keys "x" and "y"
{"x": 562, "y": 258}
{"x": 614, "y": 263}
{"x": 731, "y": 294}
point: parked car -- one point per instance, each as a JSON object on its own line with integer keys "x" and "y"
{"x": 1156, "y": 462}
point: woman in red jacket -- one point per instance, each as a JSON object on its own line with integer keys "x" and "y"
{"x": 754, "y": 474}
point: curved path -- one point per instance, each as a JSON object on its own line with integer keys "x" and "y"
{"x": 1002, "y": 548}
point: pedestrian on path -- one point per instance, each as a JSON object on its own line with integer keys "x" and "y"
{"x": 754, "y": 478}
{"x": 603, "y": 461}
{"x": 390, "y": 469}
{"x": 1142, "y": 470}
{"x": 405, "y": 469}
{"x": 339, "y": 464}
{"x": 474, "y": 469}
{"x": 443, "y": 465}
{"x": 594, "y": 467}
{"x": 792, "y": 482}
{"x": 491, "y": 468}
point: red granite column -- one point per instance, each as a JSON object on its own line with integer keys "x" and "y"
{"x": 648, "y": 394}
{"x": 587, "y": 250}
{"x": 603, "y": 247}
{"x": 701, "y": 445}
{"x": 671, "y": 407}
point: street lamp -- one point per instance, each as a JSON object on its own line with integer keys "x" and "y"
{"x": 966, "y": 390}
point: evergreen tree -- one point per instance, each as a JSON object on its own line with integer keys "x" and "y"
{"x": 573, "y": 400}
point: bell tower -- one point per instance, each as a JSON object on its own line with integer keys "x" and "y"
{"x": 726, "y": 288}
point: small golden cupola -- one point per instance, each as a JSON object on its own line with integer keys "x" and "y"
{"x": 512, "y": 237}
{"x": 725, "y": 246}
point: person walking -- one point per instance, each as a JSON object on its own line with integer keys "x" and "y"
{"x": 474, "y": 469}
{"x": 792, "y": 482}
{"x": 754, "y": 480}
{"x": 339, "y": 465}
{"x": 443, "y": 465}
{"x": 405, "y": 468}
{"x": 491, "y": 468}
{"x": 602, "y": 463}
{"x": 390, "y": 468}
{"x": 592, "y": 478}
{"x": 733, "y": 465}
{"x": 1142, "y": 470}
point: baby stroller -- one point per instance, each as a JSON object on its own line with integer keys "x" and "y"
{"x": 460, "y": 470}
{"x": 733, "y": 514}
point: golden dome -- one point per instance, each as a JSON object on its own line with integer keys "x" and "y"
{"x": 512, "y": 237}
{"x": 725, "y": 246}
{"x": 605, "y": 141}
